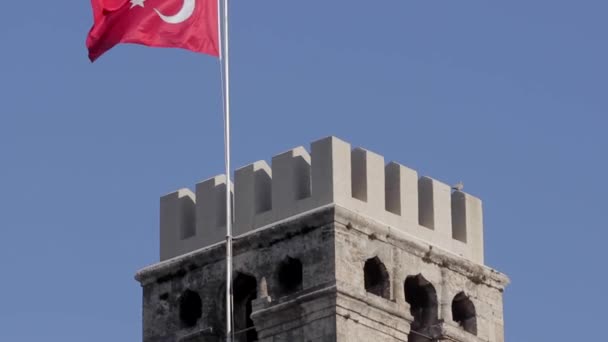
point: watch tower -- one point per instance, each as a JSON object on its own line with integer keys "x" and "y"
{"x": 331, "y": 245}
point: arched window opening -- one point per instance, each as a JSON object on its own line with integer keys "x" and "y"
{"x": 290, "y": 275}
{"x": 422, "y": 298}
{"x": 190, "y": 308}
{"x": 245, "y": 291}
{"x": 463, "y": 312}
{"x": 376, "y": 278}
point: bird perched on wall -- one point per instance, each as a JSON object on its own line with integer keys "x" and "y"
{"x": 458, "y": 186}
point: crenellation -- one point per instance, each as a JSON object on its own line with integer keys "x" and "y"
{"x": 467, "y": 221}
{"x": 252, "y": 196}
{"x": 290, "y": 178}
{"x": 211, "y": 209}
{"x": 435, "y": 205}
{"x": 368, "y": 179}
{"x": 359, "y": 174}
{"x": 426, "y": 209}
{"x": 401, "y": 191}
{"x": 332, "y": 174}
{"x": 459, "y": 216}
{"x": 331, "y": 170}
{"x": 177, "y": 221}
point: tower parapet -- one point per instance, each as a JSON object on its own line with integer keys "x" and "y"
{"x": 333, "y": 174}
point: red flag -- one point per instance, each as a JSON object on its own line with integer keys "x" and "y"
{"x": 187, "y": 24}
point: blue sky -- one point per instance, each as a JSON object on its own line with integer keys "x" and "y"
{"x": 509, "y": 97}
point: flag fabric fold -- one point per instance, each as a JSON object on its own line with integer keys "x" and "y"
{"x": 186, "y": 24}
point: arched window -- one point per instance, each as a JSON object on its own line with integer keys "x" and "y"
{"x": 463, "y": 312}
{"x": 290, "y": 275}
{"x": 422, "y": 298}
{"x": 190, "y": 308}
{"x": 245, "y": 291}
{"x": 376, "y": 278}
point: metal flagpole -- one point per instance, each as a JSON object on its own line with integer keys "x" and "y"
{"x": 224, "y": 59}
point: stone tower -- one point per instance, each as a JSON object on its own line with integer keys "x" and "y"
{"x": 329, "y": 246}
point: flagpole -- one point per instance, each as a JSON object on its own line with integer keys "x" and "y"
{"x": 224, "y": 58}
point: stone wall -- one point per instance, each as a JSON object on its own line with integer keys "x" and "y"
{"x": 256, "y": 256}
{"x": 333, "y": 295}
{"x": 359, "y": 239}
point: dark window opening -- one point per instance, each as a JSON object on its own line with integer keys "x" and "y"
{"x": 463, "y": 312}
{"x": 290, "y": 275}
{"x": 245, "y": 291}
{"x": 422, "y": 298}
{"x": 376, "y": 278}
{"x": 190, "y": 308}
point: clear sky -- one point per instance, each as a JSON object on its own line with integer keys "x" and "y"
{"x": 508, "y": 96}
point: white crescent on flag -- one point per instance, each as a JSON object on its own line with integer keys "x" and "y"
{"x": 182, "y": 15}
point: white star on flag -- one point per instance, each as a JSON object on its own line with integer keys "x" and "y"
{"x": 137, "y": 3}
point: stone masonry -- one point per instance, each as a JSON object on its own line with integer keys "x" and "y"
{"x": 329, "y": 246}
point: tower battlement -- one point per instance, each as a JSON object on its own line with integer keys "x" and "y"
{"x": 333, "y": 173}
{"x": 331, "y": 244}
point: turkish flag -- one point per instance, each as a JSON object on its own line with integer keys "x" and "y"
{"x": 187, "y": 24}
